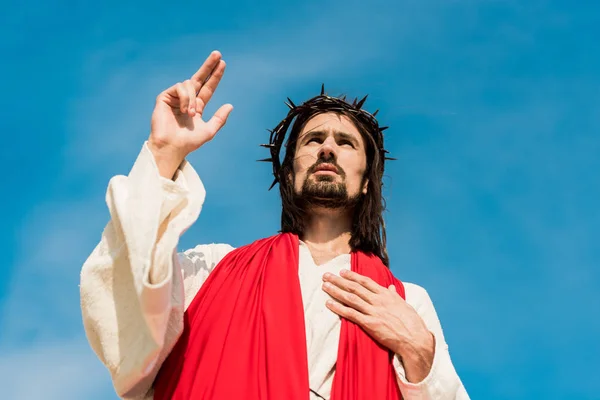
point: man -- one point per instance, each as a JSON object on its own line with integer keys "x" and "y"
{"x": 313, "y": 312}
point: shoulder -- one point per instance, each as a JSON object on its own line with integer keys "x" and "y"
{"x": 211, "y": 254}
{"x": 207, "y": 254}
{"x": 196, "y": 264}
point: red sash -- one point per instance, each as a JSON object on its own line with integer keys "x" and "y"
{"x": 244, "y": 334}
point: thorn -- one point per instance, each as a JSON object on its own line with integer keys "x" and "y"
{"x": 360, "y": 103}
{"x": 268, "y": 146}
{"x": 322, "y": 89}
{"x": 266, "y": 160}
{"x": 344, "y": 97}
{"x": 390, "y": 158}
{"x": 383, "y": 128}
{"x": 354, "y": 102}
{"x": 273, "y": 184}
{"x": 375, "y": 113}
{"x": 290, "y": 104}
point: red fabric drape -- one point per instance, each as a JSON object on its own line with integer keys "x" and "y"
{"x": 244, "y": 334}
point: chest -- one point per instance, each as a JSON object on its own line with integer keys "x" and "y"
{"x": 321, "y": 257}
{"x": 321, "y": 324}
{"x": 320, "y": 321}
{"x": 312, "y": 266}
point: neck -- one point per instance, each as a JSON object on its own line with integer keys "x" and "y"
{"x": 328, "y": 230}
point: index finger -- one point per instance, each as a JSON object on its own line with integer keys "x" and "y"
{"x": 350, "y": 286}
{"x": 206, "y": 69}
{"x": 362, "y": 280}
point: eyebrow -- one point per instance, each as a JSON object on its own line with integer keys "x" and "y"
{"x": 338, "y": 134}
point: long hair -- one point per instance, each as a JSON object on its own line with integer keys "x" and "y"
{"x": 368, "y": 228}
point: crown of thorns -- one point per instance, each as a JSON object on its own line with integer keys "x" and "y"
{"x": 316, "y": 105}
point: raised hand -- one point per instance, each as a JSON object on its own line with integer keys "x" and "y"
{"x": 178, "y": 127}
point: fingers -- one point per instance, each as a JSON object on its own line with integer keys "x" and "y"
{"x": 362, "y": 280}
{"x": 349, "y": 299}
{"x": 208, "y": 89}
{"x": 205, "y": 70}
{"x": 182, "y": 94}
{"x": 350, "y": 287}
{"x": 219, "y": 119}
{"x": 347, "y": 312}
{"x": 191, "y": 93}
{"x": 191, "y": 96}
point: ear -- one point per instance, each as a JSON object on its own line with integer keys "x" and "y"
{"x": 365, "y": 186}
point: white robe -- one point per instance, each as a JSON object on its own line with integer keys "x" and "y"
{"x": 135, "y": 288}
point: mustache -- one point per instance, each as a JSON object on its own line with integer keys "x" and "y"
{"x": 330, "y": 161}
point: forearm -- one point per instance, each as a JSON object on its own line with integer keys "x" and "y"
{"x": 166, "y": 157}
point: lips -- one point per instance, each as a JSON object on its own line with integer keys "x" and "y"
{"x": 326, "y": 168}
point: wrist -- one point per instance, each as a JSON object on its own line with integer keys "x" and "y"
{"x": 417, "y": 357}
{"x": 166, "y": 158}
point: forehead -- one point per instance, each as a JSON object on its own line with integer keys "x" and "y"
{"x": 331, "y": 122}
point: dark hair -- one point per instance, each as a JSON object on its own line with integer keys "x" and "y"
{"x": 368, "y": 228}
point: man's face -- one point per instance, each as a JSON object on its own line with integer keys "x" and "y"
{"x": 330, "y": 161}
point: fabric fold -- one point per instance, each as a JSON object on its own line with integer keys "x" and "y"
{"x": 244, "y": 334}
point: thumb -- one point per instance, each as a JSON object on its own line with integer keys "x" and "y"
{"x": 219, "y": 119}
{"x": 392, "y": 288}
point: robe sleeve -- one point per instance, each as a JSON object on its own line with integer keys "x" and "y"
{"x": 442, "y": 382}
{"x": 135, "y": 286}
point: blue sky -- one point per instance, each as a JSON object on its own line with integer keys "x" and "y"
{"x": 494, "y": 108}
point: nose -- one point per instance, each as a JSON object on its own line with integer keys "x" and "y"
{"x": 327, "y": 150}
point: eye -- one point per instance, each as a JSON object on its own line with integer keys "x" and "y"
{"x": 314, "y": 139}
{"x": 345, "y": 142}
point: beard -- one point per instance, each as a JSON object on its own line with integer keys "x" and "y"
{"x": 323, "y": 191}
